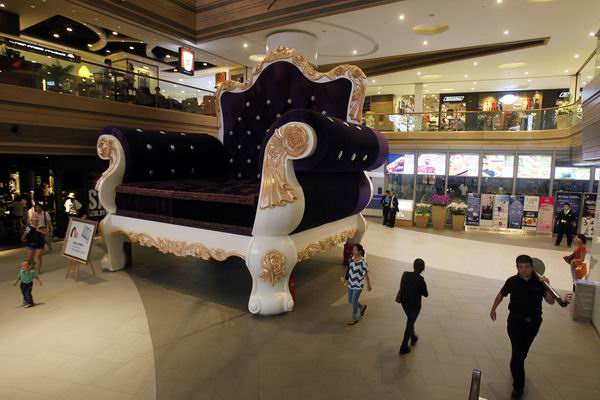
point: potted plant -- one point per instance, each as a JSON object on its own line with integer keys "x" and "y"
{"x": 458, "y": 210}
{"x": 422, "y": 214}
{"x": 564, "y": 114}
{"x": 58, "y": 73}
{"x": 439, "y": 204}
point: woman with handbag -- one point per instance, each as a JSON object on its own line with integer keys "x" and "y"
{"x": 34, "y": 238}
{"x": 577, "y": 259}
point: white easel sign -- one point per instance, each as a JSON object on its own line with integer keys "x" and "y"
{"x": 78, "y": 239}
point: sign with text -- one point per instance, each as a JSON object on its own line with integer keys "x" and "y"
{"x": 530, "y": 213}
{"x": 515, "y": 212}
{"x": 186, "y": 61}
{"x": 487, "y": 210}
{"x": 574, "y": 199}
{"x": 43, "y": 50}
{"x": 588, "y": 214}
{"x": 78, "y": 239}
{"x": 473, "y": 209}
{"x": 501, "y": 203}
{"x": 400, "y": 164}
{"x": 545, "y": 214}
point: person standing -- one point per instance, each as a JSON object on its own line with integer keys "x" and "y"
{"x": 526, "y": 291}
{"x": 72, "y": 206}
{"x": 26, "y": 277}
{"x": 564, "y": 225}
{"x": 412, "y": 288}
{"x": 577, "y": 259}
{"x": 357, "y": 273}
{"x": 34, "y": 238}
{"x": 393, "y": 209}
{"x": 385, "y": 204}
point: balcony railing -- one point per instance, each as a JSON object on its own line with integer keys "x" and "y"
{"x": 530, "y": 120}
{"x": 88, "y": 79}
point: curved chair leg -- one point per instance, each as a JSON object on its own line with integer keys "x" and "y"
{"x": 114, "y": 259}
{"x": 270, "y": 262}
{"x": 361, "y": 228}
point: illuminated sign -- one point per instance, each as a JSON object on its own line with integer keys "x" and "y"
{"x": 562, "y": 95}
{"x": 453, "y": 98}
{"x": 186, "y": 61}
{"x": 46, "y": 51}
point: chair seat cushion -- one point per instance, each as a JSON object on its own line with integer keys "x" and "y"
{"x": 222, "y": 205}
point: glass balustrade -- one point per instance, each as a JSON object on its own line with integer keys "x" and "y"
{"x": 530, "y": 120}
{"x": 86, "y": 79}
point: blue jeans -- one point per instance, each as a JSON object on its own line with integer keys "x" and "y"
{"x": 353, "y": 295}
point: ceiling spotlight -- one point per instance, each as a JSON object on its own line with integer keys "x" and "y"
{"x": 528, "y": 80}
{"x": 576, "y": 56}
{"x": 69, "y": 29}
{"x": 592, "y": 34}
{"x": 32, "y": 6}
{"x": 56, "y": 35}
{"x": 168, "y": 56}
{"x": 472, "y": 88}
{"x": 378, "y": 92}
{"x": 466, "y": 76}
{"x": 131, "y": 47}
{"x": 566, "y": 70}
{"x": 108, "y": 51}
{"x": 401, "y": 17}
{"x": 204, "y": 64}
{"x": 506, "y": 32}
{"x": 373, "y": 81}
{"x": 175, "y": 70}
{"x": 474, "y": 83}
{"x": 498, "y": 1}
{"x": 354, "y": 52}
{"x": 379, "y": 87}
{"x": 2, "y": 5}
{"x": 180, "y": 80}
{"x": 425, "y": 43}
{"x": 475, "y": 63}
{"x": 245, "y": 45}
{"x": 115, "y": 33}
{"x": 590, "y": 77}
{"x": 418, "y": 72}
{"x": 526, "y": 73}
{"x": 89, "y": 45}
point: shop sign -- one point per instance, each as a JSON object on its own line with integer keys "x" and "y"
{"x": 487, "y": 210}
{"x": 574, "y": 199}
{"x": 46, "y": 51}
{"x": 501, "y": 203}
{"x": 473, "y": 209}
{"x": 186, "y": 61}
{"x": 515, "y": 212}
{"x": 94, "y": 209}
{"x": 545, "y": 214}
{"x": 588, "y": 214}
{"x": 563, "y": 95}
{"x": 530, "y": 213}
{"x": 448, "y": 99}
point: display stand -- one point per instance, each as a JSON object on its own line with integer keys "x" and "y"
{"x": 78, "y": 244}
{"x": 74, "y": 265}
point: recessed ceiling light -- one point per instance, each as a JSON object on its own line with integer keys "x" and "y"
{"x": 401, "y": 17}
{"x": 174, "y": 85}
{"x": 589, "y": 77}
{"x": 472, "y": 88}
{"x": 506, "y": 32}
{"x": 32, "y": 6}
{"x": 528, "y": 80}
{"x": 131, "y": 47}
{"x": 475, "y": 63}
{"x": 526, "y": 73}
{"x": 474, "y": 83}
{"x": 431, "y": 77}
{"x": 89, "y": 45}
{"x": 168, "y": 56}
{"x": 245, "y": 45}
{"x": 180, "y": 80}
{"x": 108, "y": 51}
{"x": 2, "y": 5}
{"x": 466, "y": 76}
{"x": 418, "y": 72}
{"x": 354, "y": 51}
{"x": 183, "y": 91}
{"x": 576, "y": 56}
{"x": 566, "y": 70}
{"x": 378, "y": 92}
{"x": 56, "y": 35}
{"x": 425, "y": 43}
{"x": 498, "y": 1}
{"x": 204, "y": 64}
{"x": 115, "y": 33}
{"x": 373, "y": 81}
{"x": 592, "y": 34}
{"x": 426, "y": 90}
{"x": 379, "y": 87}
{"x": 69, "y": 29}
{"x": 425, "y": 85}
{"x": 512, "y": 65}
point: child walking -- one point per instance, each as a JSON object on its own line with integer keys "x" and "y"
{"x": 26, "y": 277}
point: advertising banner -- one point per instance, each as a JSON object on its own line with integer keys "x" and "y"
{"x": 530, "y": 213}
{"x": 400, "y": 164}
{"x": 501, "y": 203}
{"x": 498, "y": 166}
{"x": 487, "y": 210}
{"x": 463, "y": 165}
{"x": 572, "y": 198}
{"x": 473, "y": 209}
{"x": 515, "y": 212}
{"x": 79, "y": 238}
{"x": 431, "y": 164}
{"x": 545, "y": 214}
{"x": 588, "y": 214}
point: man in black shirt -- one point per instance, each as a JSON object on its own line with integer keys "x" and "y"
{"x": 564, "y": 225}
{"x": 412, "y": 287}
{"x": 385, "y": 205}
{"x": 525, "y": 317}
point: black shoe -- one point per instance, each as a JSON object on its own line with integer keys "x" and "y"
{"x": 404, "y": 350}
{"x": 362, "y": 312}
{"x": 556, "y": 244}
{"x": 516, "y": 393}
{"x": 413, "y": 340}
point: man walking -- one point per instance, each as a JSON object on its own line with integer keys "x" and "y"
{"x": 564, "y": 225}
{"x": 412, "y": 288}
{"x": 525, "y": 315}
{"x": 385, "y": 204}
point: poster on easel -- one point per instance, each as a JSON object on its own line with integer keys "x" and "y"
{"x": 487, "y": 210}
{"x": 574, "y": 199}
{"x": 501, "y": 203}
{"x": 545, "y": 220}
{"x": 473, "y": 209}
{"x": 515, "y": 212}
{"x": 78, "y": 239}
{"x": 588, "y": 215}
{"x": 531, "y": 205}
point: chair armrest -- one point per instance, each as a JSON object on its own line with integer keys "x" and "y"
{"x": 341, "y": 146}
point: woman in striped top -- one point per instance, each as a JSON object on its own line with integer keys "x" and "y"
{"x": 357, "y": 272}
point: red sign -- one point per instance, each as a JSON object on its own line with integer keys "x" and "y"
{"x": 545, "y": 214}
{"x": 186, "y": 61}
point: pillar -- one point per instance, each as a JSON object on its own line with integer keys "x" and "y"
{"x": 418, "y": 106}
{"x": 303, "y": 42}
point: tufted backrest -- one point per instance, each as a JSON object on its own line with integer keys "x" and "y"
{"x": 159, "y": 155}
{"x": 248, "y": 113}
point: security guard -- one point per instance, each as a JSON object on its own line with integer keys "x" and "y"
{"x": 564, "y": 225}
{"x": 525, "y": 317}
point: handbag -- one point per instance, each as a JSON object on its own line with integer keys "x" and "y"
{"x": 580, "y": 270}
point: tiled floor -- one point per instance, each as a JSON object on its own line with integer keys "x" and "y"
{"x": 90, "y": 339}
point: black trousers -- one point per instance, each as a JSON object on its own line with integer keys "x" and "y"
{"x": 392, "y": 218}
{"x": 412, "y": 312}
{"x": 521, "y": 333}
{"x": 26, "y": 292}
{"x": 386, "y": 216}
{"x": 564, "y": 229}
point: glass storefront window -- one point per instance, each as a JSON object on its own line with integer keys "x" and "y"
{"x": 497, "y": 173}
{"x": 431, "y": 175}
{"x": 463, "y": 172}
{"x": 571, "y": 179}
{"x": 533, "y": 174}
{"x": 400, "y": 171}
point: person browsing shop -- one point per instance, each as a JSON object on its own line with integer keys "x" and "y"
{"x": 564, "y": 225}
{"x": 526, "y": 290}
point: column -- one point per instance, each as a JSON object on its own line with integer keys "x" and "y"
{"x": 418, "y": 106}
{"x": 573, "y": 89}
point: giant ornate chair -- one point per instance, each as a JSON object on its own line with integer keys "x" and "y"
{"x": 283, "y": 181}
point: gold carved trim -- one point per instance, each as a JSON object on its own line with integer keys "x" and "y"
{"x": 351, "y": 72}
{"x": 273, "y": 267}
{"x": 325, "y": 244}
{"x": 289, "y": 141}
{"x": 106, "y": 148}
{"x": 180, "y": 248}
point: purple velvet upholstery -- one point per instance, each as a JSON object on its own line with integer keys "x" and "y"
{"x": 247, "y": 116}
